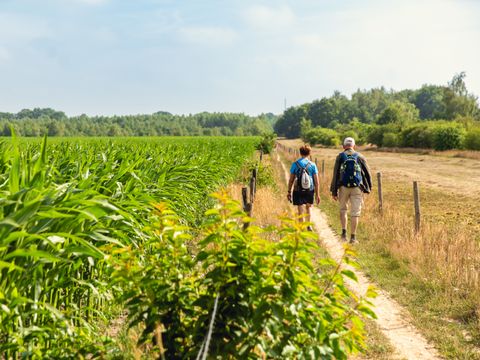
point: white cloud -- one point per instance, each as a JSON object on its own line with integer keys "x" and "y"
{"x": 269, "y": 18}
{"x": 213, "y": 36}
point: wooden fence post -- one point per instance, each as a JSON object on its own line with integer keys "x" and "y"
{"x": 416, "y": 198}
{"x": 316, "y": 162}
{"x": 323, "y": 168}
{"x": 253, "y": 186}
{"x": 380, "y": 192}
{"x": 247, "y": 207}
{"x": 261, "y": 155}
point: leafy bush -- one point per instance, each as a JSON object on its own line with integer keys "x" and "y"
{"x": 472, "y": 139}
{"x": 418, "y": 136}
{"x": 390, "y": 140}
{"x": 322, "y": 136}
{"x": 355, "y": 129}
{"x": 376, "y": 133}
{"x": 350, "y": 133}
{"x": 448, "y": 136}
{"x": 267, "y": 298}
{"x": 267, "y": 143}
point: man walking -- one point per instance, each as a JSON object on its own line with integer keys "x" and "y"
{"x": 351, "y": 178}
{"x": 304, "y": 180}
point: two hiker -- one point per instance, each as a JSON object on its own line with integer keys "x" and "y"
{"x": 351, "y": 178}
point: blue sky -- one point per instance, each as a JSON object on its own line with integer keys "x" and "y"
{"x": 141, "y": 56}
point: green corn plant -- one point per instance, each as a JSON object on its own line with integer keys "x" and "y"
{"x": 68, "y": 208}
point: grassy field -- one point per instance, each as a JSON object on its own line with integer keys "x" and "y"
{"x": 435, "y": 273}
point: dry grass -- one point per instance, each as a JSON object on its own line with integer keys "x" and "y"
{"x": 435, "y": 273}
{"x": 270, "y": 200}
{"x": 465, "y": 154}
{"x": 447, "y": 249}
{"x": 447, "y": 256}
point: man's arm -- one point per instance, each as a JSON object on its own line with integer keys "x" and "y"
{"x": 366, "y": 174}
{"x": 336, "y": 170}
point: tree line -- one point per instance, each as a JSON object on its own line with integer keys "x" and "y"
{"x": 433, "y": 116}
{"x": 38, "y": 122}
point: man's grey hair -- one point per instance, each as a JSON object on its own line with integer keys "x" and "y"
{"x": 349, "y": 141}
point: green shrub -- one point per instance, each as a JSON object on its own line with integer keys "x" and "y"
{"x": 390, "y": 140}
{"x": 352, "y": 134}
{"x": 417, "y": 136}
{"x": 270, "y": 300}
{"x": 376, "y": 133}
{"x": 267, "y": 143}
{"x": 448, "y": 136}
{"x": 322, "y": 136}
{"x": 375, "y": 136}
{"x": 472, "y": 139}
{"x": 355, "y": 129}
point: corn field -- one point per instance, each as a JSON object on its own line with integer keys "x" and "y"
{"x": 66, "y": 206}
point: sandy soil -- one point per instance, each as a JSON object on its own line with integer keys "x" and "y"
{"x": 392, "y": 318}
{"x": 454, "y": 175}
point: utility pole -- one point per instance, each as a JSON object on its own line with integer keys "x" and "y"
{"x": 285, "y": 104}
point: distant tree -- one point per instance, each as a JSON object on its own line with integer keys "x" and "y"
{"x": 399, "y": 113}
{"x": 368, "y": 105}
{"x": 39, "y": 121}
{"x": 288, "y": 124}
{"x": 430, "y": 101}
{"x": 326, "y": 111}
{"x": 457, "y": 84}
{"x": 305, "y": 126}
{"x": 458, "y": 101}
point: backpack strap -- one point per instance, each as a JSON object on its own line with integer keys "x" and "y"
{"x": 344, "y": 156}
{"x": 306, "y": 166}
{"x": 309, "y": 163}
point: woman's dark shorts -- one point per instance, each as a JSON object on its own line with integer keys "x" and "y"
{"x": 303, "y": 197}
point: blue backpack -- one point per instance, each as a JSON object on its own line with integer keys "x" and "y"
{"x": 350, "y": 170}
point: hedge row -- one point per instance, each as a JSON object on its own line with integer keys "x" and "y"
{"x": 436, "y": 135}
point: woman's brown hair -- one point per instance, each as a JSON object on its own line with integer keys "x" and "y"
{"x": 305, "y": 150}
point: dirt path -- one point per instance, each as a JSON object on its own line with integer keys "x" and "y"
{"x": 392, "y": 318}
{"x": 453, "y": 175}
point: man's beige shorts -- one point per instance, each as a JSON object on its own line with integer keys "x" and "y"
{"x": 355, "y": 196}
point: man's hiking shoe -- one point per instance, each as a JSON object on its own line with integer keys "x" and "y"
{"x": 344, "y": 236}
{"x": 309, "y": 228}
{"x": 353, "y": 240}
